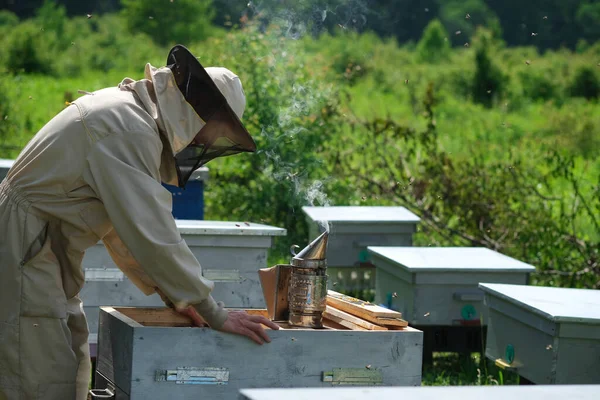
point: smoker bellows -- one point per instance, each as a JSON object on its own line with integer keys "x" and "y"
{"x": 297, "y": 292}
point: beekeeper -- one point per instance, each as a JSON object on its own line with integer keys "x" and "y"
{"x": 93, "y": 173}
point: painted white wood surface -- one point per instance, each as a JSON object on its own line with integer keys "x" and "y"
{"x": 361, "y": 214}
{"x": 555, "y": 304}
{"x": 449, "y": 259}
{"x": 226, "y": 228}
{"x": 548, "y": 392}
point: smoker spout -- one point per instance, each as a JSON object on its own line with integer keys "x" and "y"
{"x": 313, "y": 255}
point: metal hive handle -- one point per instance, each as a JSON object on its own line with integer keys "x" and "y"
{"x": 102, "y": 394}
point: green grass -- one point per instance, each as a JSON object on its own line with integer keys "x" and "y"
{"x": 452, "y": 369}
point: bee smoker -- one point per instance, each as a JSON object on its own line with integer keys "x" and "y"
{"x": 297, "y": 292}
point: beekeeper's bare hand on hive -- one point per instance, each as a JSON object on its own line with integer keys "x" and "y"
{"x": 242, "y": 323}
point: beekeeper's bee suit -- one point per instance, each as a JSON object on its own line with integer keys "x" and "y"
{"x": 93, "y": 173}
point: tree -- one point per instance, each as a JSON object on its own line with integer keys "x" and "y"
{"x": 489, "y": 81}
{"x": 434, "y": 45}
{"x": 170, "y": 22}
{"x": 588, "y": 18}
{"x": 453, "y": 14}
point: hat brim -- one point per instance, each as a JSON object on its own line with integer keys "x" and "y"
{"x": 208, "y": 102}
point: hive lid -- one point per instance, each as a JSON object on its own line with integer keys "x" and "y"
{"x": 361, "y": 214}
{"x": 555, "y": 304}
{"x": 449, "y": 259}
{"x": 534, "y": 392}
{"x": 206, "y": 227}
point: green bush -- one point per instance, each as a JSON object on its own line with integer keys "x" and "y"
{"x": 28, "y": 49}
{"x": 170, "y": 22}
{"x": 585, "y": 83}
{"x": 104, "y": 44}
{"x": 8, "y": 19}
{"x": 539, "y": 85}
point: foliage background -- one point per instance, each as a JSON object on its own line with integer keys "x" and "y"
{"x": 480, "y": 116}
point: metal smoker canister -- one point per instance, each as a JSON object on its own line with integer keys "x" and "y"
{"x": 307, "y": 294}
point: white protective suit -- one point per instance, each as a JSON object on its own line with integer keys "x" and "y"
{"x": 94, "y": 173}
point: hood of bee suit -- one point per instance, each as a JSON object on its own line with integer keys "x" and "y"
{"x": 179, "y": 119}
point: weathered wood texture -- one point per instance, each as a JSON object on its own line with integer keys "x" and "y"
{"x": 364, "y": 310}
{"x": 549, "y": 392}
{"x": 130, "y": 354}
{"x": 548, "y": 335}
{"x": 350, "y": 321}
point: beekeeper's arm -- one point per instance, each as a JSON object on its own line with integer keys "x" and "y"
{"x": 123, "y": 170}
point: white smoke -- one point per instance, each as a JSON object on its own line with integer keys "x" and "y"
{"x": 294, "y": 23}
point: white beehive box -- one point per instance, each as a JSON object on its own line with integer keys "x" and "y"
{"x": 547, "y": 335}
{"x": 146, "y": 354}
{"x": 230, "y": 253}
{"x": 439, "y": 285}
{"x": 547, "y": 392}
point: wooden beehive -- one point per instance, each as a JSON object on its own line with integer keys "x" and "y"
{"x": 230, "y": 254}
{"x": 439, "y": 285}
{"x": 435, "y": 289}
{"x": 154, "y": 353}
{"x": 352, "y": 230}
{"x": 547, "y": 335}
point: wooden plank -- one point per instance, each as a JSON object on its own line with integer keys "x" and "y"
{"x": 397, "y": 328}
{"x": 390, "y": 322}
{"x": 342, "y": 318}
{"x": 360, "y": 308}
{"x": 347, "y": 324}
{"x": 159, "y": 316}
{"x": 164, "y": 316}
{"x": 333, "y": 325}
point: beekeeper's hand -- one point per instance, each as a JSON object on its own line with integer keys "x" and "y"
{"x": 238, "y": 322}
{"x": 244, "y": 324}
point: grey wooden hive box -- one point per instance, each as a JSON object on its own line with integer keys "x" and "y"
{"x": 439, "y": 285}
{"x": 547, "y": 392}
{"x": 547, "y": 335}
{"x": 353, "y": 228}
{"x": 143, "y": 354}
{"x": 230, "y": 254}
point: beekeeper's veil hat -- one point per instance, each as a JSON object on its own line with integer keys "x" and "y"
{"x": 217, "y": 96}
